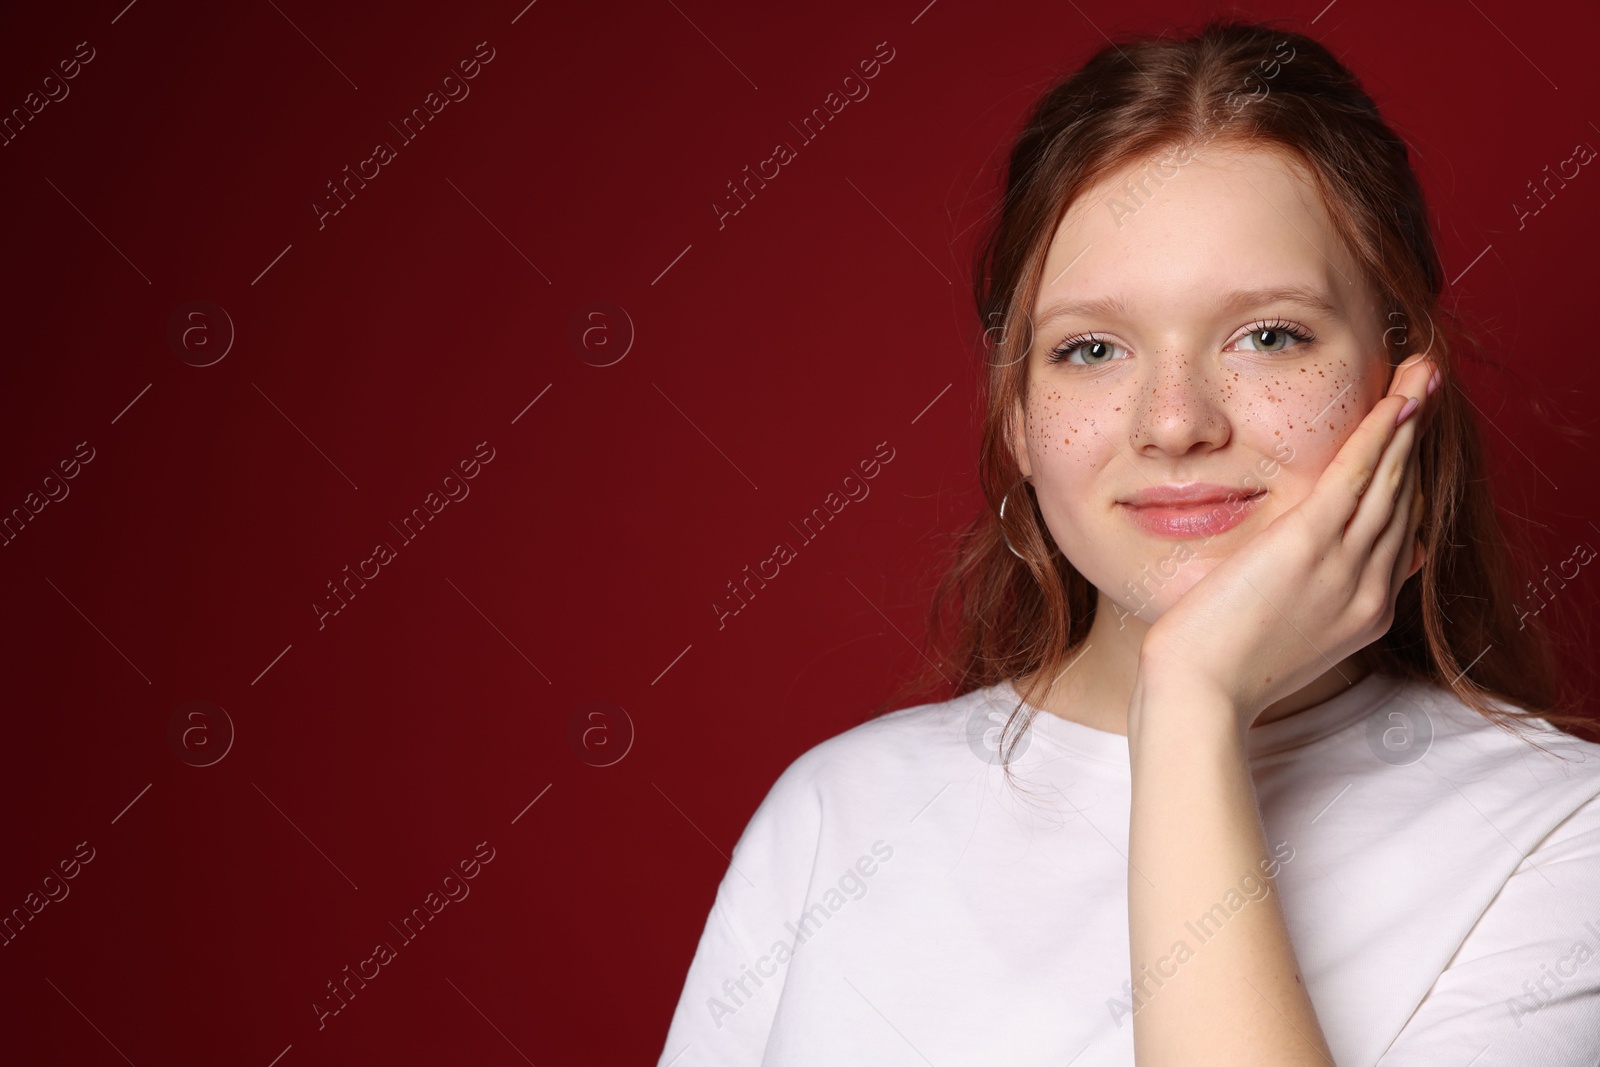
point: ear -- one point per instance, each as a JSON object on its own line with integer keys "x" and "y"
{"x": 1017, "y": 427}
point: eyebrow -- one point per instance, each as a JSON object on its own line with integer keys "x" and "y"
{"x": 1238, "y": 299}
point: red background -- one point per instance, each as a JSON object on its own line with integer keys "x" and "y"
{"x": 373, "y": 354}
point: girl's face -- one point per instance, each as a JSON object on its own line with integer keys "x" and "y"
{"x": 1195, "y": 324}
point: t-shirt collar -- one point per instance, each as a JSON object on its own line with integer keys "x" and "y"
{"x": 1265, "y": 739}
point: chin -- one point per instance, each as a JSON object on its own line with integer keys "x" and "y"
{"x": 1150, "y": 590}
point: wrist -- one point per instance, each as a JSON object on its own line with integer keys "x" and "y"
{"x": 1167, "y": 699}
{"x": 1187, "y": 669}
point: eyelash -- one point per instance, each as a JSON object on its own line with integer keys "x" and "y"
{"x": 1059, "y": 353}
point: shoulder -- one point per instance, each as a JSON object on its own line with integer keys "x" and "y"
{"x": 1451, "y": 722}
{"x": 892, "y": 744}
{"x": 1524, "y": 777}
{"x": 1423, "y": 773}
{"x": 834, "y": 799}
{"x": 861, "y": 767}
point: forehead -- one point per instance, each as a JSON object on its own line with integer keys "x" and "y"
{"x": 1154, "y": 235}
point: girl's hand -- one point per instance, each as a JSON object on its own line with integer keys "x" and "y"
{"x": 1316, "y": 585}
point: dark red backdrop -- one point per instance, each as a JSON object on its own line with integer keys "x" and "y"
{"x": 159, "y": 215}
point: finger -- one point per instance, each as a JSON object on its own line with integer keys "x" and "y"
{"x": 1378, "y": 503}
{"x": 1415, "y": 553}
{"x": 1387, "y": 492}
{"x": 1339, "y": 490}
{"x": 1397, "y": 544}
{"x": 1376, "y": 562}
{"x": 1406, "y": 367}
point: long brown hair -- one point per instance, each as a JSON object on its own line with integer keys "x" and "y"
{"x": 995, "y": 617}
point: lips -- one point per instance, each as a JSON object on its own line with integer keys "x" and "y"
{"x": 1182, "y": 496}
{"x": 1190, "y": 511}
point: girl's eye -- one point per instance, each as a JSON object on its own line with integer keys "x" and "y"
{"x": 1092, "y": 351}
{"x": 1274, "y": 337}
{"x": 1087, "y": 350}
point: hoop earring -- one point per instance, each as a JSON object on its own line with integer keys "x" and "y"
{"x": 1003, "y": 499}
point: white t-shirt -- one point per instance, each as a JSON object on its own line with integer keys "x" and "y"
{"x": 894, "y": 900}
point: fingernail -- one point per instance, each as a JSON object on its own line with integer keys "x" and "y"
{"x": 1433, "y": 382}
{"x": 1405, "y": 412}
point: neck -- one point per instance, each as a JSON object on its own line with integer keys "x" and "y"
{"x": 1096, "y": 684}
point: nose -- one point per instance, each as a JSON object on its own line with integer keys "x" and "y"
{"x": 1180, "y": 408}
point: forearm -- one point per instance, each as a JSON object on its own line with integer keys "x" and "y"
{"x": 1215, "y": 982}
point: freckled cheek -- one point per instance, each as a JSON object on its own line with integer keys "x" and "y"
{"x": 1074, "y": 426}
{"x": 1303, "y": 403}
{"x": 1052, "y": 426}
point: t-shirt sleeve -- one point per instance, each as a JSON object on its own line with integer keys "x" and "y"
{"x": 1524, "y": 987}
{"x": 731, "y": 993}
